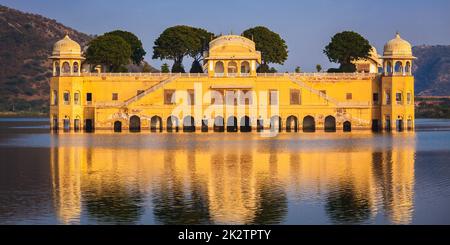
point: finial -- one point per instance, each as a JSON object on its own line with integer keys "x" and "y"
{"x": 397, "y": 34}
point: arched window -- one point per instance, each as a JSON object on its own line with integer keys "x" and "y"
{"x": 75, "y": 67}
{"x": 76, "y": 98}
{"x": 246, "y": 125}
{"x": 398, "y": 68}
{"x": 54, "y": 97}
{"x": 66, "y": 97}
{"x": 219, "y": 69}
{"x": 245, "y": 67}
{"x": 57, "y": 69}
{"x": 232, "y": 68}
{"x": 66, "y": 68}
{"x": 408, "y": 68}
{"x": 388, "y": 68}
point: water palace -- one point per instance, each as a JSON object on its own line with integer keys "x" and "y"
{"x": 231, "y": 96}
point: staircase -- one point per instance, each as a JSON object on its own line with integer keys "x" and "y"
{"x": 150, "y": 90}
{"x": 324, "y": 96}
{"x": 314, "y": 91}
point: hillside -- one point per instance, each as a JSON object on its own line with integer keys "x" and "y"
{"x": 26, "y": 41}
{"x": 432, "y": 70}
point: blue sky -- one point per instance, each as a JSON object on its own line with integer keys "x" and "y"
{"x": 307, "y": 26}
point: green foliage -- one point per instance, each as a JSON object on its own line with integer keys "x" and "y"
{"x": 263, "y": 68}
{"x": 345, "y": 47}
{"x": 176, "y": 42}
{"x": 433, "y": 109}
{"x": 165, "y": 68}
{"x": 273, "y": 48}
{"x": 178, "y": 68}
{"x": 109, "y": 50}
{"x": 298, "y": 69}
{"x": 318, "y": 68}
{"x": 196, "y": 67}
{"x": 137, "y": 51}
{"x": 272, "y": 70}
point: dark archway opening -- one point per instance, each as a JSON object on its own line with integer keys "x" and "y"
{"x": 219, "y": 124}
{"x": 232, "y": 124}
{"x": 156, "y": 124}
{"x": 399, "y": 125}
{"x": 330, "y": 124}
{"x": 117, "y": 126}
{"x": 188, "y": 124}
{"x": 259, "y": 125}
{"x": 204, "y": 125}
{"x": 172, "y": 124}
{"x": 309, "y": 124}
{"x": 246, "y": 125}
{"x": 89, "y": 125}
{"x": 347, "y": 126}
{"x": 291, "y": 124}
{"x": 135, "y": 124}
{"x": 275, "y": 124}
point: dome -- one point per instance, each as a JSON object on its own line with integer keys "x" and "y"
{"x": 397, "y": 47}
{"x": 66, "y": 48}
{"x": 233, "y": 47}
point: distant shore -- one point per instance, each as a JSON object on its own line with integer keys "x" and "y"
{"x": 8, "y": 114}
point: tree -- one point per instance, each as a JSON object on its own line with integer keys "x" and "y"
{"x": 109, "y": 50}
{"x": 165, "y": 68}
{"x": 202, "y": 37}
{"x": 298, "y": 69}
{"x": 318, "y": 68}
{"x": 178, "y": 68}
{"x": 273, "y": 48}
{"x": 196, "y": 67}
{"x": 176, "y": 42}
{"x": 346, "y": 47}
{"x": 272, "y": 70}
{"x": 137, "y": 51}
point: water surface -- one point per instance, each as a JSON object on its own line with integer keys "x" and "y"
{"x": 223, "y": 178}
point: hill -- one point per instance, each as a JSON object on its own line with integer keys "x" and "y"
{"x": 26, "y": 42}
{"x": 432, "y": 70}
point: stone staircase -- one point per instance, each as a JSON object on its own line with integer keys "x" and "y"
{"x": 314, "y": 91}
{"x": 150, "y": 90}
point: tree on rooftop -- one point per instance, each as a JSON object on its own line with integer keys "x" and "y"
{"x": 137, "y": 51}
{"x": 318, "y": 68}
{"x": 108, "y": 50}
{"x": 273, "y": 48}
{"x": 165, "y": 68}
{"x": 346, "y": 47}
{"x": 176, "y": 42}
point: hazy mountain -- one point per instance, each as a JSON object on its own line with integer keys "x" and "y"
{"x": 26, "y": 42}
{"x": 432, "y": 69}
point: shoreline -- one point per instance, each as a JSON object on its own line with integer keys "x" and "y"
{"x": 9, "y": 114}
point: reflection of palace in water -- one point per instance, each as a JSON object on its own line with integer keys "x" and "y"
{"x": 250, "y": 182}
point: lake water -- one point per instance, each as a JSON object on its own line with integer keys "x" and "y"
{"x": 223, "y": 178}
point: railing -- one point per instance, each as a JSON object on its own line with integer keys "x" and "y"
{"x": 286, "y": 74}
{"x": 143, "y": 74}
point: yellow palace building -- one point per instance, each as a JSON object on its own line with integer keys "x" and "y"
{"x": 231, "y": 96}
